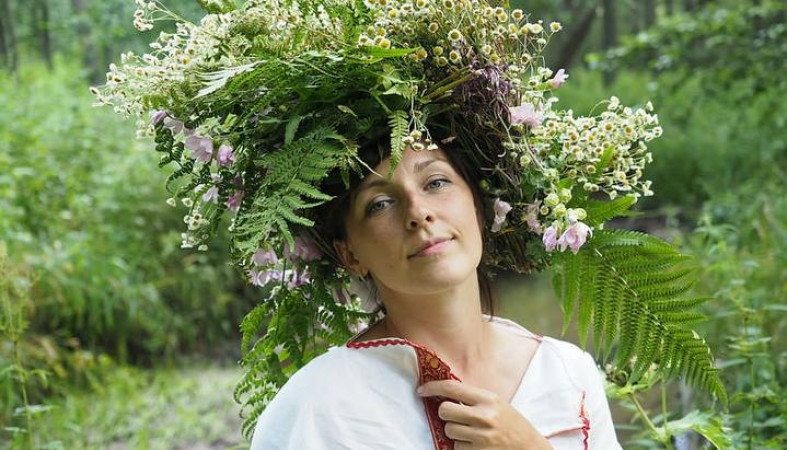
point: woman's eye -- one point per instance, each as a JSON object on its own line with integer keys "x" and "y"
{"x": 376, "y": 206}
{"x": 438, "y": 183}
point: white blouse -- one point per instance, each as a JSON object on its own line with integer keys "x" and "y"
{"x": 362, "y": 396}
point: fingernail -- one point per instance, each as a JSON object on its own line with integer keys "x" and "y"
{"x": 420, "y": 390}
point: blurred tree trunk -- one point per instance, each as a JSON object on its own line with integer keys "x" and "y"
{"x": 578, "y": 35}
{"x": 670, "y": 5}
{"x": 85, "y": 42}
{"x": 650, "y": 13}
{"x": 634, "y": 17}
{"x": 609, "y": 35}
{"x": 8, "y": 36}
{"x": 688, "y": 5}
{"x": 41, "y": 27}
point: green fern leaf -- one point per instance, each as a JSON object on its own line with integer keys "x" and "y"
{"x": 628, "y": 286}
{"x": 599, "y": 212}
{"x": 399, "y": 129}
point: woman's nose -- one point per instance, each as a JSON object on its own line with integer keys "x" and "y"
{"x": 419, "y": 213}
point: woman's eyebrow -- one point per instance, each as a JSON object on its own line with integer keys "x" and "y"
{"x": 423, "y": 164}
{"x": 382, "y": 181}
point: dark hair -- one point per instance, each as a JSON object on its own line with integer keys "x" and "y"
{"x": 330, "y": 217}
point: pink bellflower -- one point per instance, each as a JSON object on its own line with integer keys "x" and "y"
{"x": 575, "y": 236}
{"x": 201, "y": 147}
{"x": 501, "y": 210}
{"x": 550, "y": 237}
{"x": 225, "y": 156}
{"x": 264, "y": 256}
{"x": 305, "y": 249}
{"x": 526, "y": 114}
{"x": 560, "y": 77}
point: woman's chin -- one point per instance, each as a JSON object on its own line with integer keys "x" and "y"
{"x": 434, "y": 278}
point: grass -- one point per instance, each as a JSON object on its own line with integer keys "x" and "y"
{"x": 177, "y": 408}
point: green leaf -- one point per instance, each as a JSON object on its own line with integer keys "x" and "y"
{"x": 706, "y": 424}
{"x": 399, "y": 130}
{"x": 291, "y": 129}
{"x": 347, "y": 110}
{"x": 599, "y": 212}
{"x": 378, "y": 52}
{"x": 629, "y": 287}
{"x": 604, "y": 161}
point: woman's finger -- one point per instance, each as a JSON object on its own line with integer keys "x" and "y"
{"x": 454, "y": 412}
{"x": 455, "y": 390}
{"x": 459, "y": 432}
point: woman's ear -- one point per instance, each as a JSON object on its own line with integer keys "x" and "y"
{"x": 347, "y": 257}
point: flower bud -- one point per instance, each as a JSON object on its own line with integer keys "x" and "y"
{"x": 552, "y": 200}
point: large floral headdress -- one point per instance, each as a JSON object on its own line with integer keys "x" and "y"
{"x": 259, "y": 104}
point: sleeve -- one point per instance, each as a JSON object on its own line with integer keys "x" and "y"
{"x": 298, "y": 416}
{"x": 289, "y": 425}
{"x": 602, "y": 431}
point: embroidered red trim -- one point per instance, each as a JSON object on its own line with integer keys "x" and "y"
{"x": 430, "y": 368}
{"x": 585, "y": 421}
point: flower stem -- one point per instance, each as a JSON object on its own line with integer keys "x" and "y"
{"x": 666, "y": 439}
{"x": 437, "y": 93}
{"x": 22, "y": 374}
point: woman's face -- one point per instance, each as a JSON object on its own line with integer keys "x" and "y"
{"x": 391, "y": 223}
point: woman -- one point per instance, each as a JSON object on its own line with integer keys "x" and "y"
{"x": 482, "y": 382}
{"x": 256, "y": 103}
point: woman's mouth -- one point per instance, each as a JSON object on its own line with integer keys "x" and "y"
{"x": 433, "y": 249}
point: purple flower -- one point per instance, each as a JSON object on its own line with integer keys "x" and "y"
{"x": 174, "y": 125}
{"x": 305, "y": 249}
{"x": 525, "y": 114}
{"x": 560, "y": 77}
{"x": 157, "y": 116}
{"x": 550, "y": 238}
{"x": 233, "y": 203}
{"x": 262, "y": 277}
{"x": 212, "y": 195}
{"x": 531, "y": 217}
{"x": 262, "y": 257}
{"x": 225, "y": 156}
{"x": 201, "y": 147}
{"x": 574, "y": 237}
{"x": 501, "y": 210}
{"x": 297, "y": 278}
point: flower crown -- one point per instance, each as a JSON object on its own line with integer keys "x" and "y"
{"x": 257, "y": 105}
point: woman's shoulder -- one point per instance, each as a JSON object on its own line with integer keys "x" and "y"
{"x": 324, "y": 370}
{"x": 578, "y": 365}
{"x": 568, "y": 352}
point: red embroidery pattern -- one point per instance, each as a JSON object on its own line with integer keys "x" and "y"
{"x": 585, "y": 421}
{"x": 430, "y": 368}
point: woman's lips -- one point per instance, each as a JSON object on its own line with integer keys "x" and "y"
{"x": 433, "y": 249}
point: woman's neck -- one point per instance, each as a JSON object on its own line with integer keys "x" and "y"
{"x": 449, "y": 323}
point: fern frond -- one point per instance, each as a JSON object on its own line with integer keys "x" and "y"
{"x": 399, "y": 129}
{"x": 283, "y": 334}
{"x": 628, "y": 286}
{"x": 599, "y": 212}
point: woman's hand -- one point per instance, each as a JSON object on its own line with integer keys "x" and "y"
{"x": 482, "y": 420}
